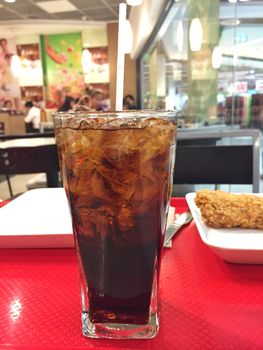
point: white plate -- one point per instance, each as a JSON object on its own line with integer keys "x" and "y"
{"x": 235, "y": 245}
{"x": 37, "y": 219}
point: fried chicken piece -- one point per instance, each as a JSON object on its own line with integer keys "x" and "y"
{"x": 224, "y": 210}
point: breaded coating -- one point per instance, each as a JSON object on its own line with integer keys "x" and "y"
{"x": 224, "y": 210}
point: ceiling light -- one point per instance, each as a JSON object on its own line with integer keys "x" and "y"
{"x": 216, "y": 57}
{"x": 232, "y": 1}
{"x": 56, "y": 6}
{"x": 196, "y": 34}
{"x": 10, "y": 1}
{"x": 232, "y": 22}
{"x": 134, "y": 2}
{"x": 180, "y": 36}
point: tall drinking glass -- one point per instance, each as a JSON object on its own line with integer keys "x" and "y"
{"x": 117, "y": 172}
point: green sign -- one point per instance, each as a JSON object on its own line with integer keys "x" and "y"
{"x": 61, "y": 56}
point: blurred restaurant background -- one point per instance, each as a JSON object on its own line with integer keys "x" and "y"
{"x": 203, "y": 59}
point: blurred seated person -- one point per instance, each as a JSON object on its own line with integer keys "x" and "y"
{"x": 221, "y": 113}
{"x": 82, "y": 103}
{"x": 88, "y": 90}
{"x": 32, "y": 119}
{"x": 96, "y": 100}
{"x": 67, "y": 104}
{"x": 129, "y": 102}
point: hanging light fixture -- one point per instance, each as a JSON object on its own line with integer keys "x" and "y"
{"x": 10, "y": 1}
{"x": 196, "y": 34}
{"x": 86, "y": 60}
{"x": 134, "y": 2}
{"x": 216, "y": 57}
{"x": 180, "y": 36}
{"x": 15, "y": 65}
{"x": 128, "y": 37}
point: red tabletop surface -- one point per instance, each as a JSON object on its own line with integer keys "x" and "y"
{"x": 3, "y": 203}
{"x": 206, "y": 303}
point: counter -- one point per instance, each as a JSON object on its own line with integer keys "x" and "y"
{"x": 12, "y": 124}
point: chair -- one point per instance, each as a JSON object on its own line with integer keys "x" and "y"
{"x": 199, "y": 162}
{"x": 25, "y": 156}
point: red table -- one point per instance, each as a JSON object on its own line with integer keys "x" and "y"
{"x": 205, "y": 302}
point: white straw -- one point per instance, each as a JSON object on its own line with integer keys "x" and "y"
{"x": 121, "y": 56}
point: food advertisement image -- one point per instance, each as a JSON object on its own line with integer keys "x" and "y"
{"x": 61, "y": 55}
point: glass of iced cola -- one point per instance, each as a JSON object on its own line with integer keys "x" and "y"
{"x": 117, "y": 172}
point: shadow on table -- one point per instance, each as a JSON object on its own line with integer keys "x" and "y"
{"x": 245, "y": 274}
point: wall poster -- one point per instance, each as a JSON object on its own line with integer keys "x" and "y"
{"x": 31, "y": 73}
{"x": 61, "y": 55}
{"x": 9, "y": 84}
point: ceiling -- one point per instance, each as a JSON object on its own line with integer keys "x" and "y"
{"x": 86, "y": 10}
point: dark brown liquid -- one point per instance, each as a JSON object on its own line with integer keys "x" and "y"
{"x": 120, "y": 273}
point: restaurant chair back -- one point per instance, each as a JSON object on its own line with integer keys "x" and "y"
{"x": 199, "y": 162}
{"x": 23, "y": 159}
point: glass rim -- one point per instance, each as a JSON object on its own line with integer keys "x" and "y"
{"x": 132, "y": 119}
{"x": 147, "y": 113}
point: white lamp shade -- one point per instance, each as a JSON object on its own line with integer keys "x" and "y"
{"x": 180, "y": 36}
{"x": 86, "y": 60}
{"x": 134, "y": 2}
{"x": 128, "y": 37}
{"x": 10, "y": 1}
{"x": 15, "y": 66}
{"x": 216, "y": 57}
{"x": 196, "y": 35}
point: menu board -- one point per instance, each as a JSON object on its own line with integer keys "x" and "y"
{"x": 32, "y": 93}
{"x": 31, "y": 68}
{"x": 96, "y": 65}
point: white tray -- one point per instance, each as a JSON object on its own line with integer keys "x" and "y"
{"x": 39, "y": 218}
{"x": 241, "y": 246}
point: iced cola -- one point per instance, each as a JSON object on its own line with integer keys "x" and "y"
{"x": 117, "y": 174}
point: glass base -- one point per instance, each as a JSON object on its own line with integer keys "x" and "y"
{"x": 120, "y": 331}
